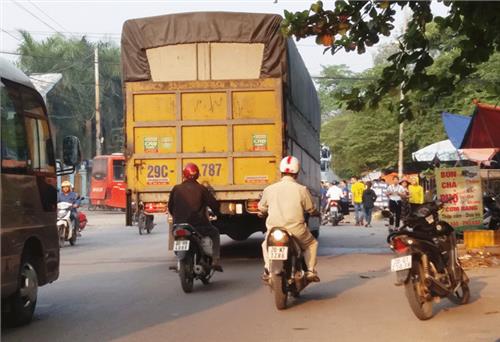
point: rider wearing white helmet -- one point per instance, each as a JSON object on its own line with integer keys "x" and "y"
{"x": 66, "y": 195}
{"x": 285, "y": 203}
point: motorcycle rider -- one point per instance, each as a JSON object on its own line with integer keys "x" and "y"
{"x": 67, "y": 195}
{"x": 285, "y": 203}
{"x": 188, "y": 203}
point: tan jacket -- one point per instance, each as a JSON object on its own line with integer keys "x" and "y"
{"x": 285, "y": 202}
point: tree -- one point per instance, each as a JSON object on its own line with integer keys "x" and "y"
{"x": 365, "y": 140}
{"x": 353, "y": 25}
{"x": 72, "y": 101}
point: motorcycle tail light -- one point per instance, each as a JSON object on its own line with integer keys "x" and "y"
{"x": 399, "y": 246}
{"x": 253, "y": 206}
{"x": 181, "y": 232}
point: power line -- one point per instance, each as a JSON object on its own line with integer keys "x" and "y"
{"x": 34, "y": 15}
{"x": 73, "y": 64}
{"x": 51, "y": 57}
{"x": 12, "y": 35}
{"x": 48, "y": 16}
{"x": 111, "y": 36}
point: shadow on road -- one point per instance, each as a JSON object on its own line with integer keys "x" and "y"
{"x": 331, "y": 289}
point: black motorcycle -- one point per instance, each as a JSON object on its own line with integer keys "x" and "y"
{"x": 287, "y": 273}
{"x": 428, "y": 264}
{"x": 194, "y": 256}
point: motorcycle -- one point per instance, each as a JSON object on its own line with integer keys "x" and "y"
{"x": 194, "y": 256}
{"x": 65, "y": 225}
{"x": 82, "y": 219}
{"x": 287, "y": 271}
{"x": 333, "y": 214}
{"x": 491, "y": 218}
{"x": 427, "y": 263}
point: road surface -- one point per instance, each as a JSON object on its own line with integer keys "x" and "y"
{"x": 116, "y": 285}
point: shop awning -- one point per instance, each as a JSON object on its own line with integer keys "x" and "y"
{"x": 456, "y": 126}
{"x": 480, "y": 155}
{"x": 443, "y": 150}
{"x": 484, "y": 129}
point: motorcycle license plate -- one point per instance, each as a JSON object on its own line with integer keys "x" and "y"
{"x": 402, "y": 263}
{"x": 181, "y": 245}
{"x": 277, "y": 253}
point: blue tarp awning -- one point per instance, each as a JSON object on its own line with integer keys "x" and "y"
{"x": 456, "y": 126}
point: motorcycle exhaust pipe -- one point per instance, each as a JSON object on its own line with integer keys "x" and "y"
{"x": 436, "y": 286}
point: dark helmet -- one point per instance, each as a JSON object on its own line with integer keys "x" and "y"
{"x": 191, "y": 171}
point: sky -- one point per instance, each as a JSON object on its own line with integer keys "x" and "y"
{"x": 103, "y": 20}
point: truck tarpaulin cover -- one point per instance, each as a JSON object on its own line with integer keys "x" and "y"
{"x": 484, "y": 129}
{"x": 280, "y": 58}
{"x": 138, "y": 35}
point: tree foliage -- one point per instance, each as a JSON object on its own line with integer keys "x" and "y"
{"x": 72, "y": 101}
{"x": 353, "y": 25}
{"x": 368, "y": 139}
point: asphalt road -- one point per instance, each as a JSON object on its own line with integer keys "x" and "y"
{"x": 116, "y": 285}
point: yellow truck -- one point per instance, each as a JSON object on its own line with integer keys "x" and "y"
{"x": 223, "y": 90}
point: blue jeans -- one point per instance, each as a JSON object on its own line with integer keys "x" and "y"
{"x": 358, "y": 212}
{"x": 368, "y": 214}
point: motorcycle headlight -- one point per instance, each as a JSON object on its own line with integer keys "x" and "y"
{"x": 61, "y": 212}
{"x": 278, "y": 235}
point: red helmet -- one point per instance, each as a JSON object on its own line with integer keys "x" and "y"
{"x": 191, "y": 171}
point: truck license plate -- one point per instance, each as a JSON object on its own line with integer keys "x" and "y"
{"x": 402, "y": 263}
{"x": 277, "y": 253}
{"x": 181, "y": 245}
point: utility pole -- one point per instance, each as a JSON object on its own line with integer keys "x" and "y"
{"x": 98, "y": 148}
{"x": 400, "y": 159}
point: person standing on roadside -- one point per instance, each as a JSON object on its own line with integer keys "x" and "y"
{"x": 369, "y": 198}
{"x": 405, "y": 197}
{"x": 394, "y": 192}
{"x": 357, "y": 199}
{"x": 380, "y": 188}
{"x": 416, "y": 193}
{"x": 344, "y": 199}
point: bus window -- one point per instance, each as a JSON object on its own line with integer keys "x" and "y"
{"x": 99, "y": 168}
{"x": 13, "y": 144}
{"x": 40, "y": 145}
{"x": 118, "y": 170}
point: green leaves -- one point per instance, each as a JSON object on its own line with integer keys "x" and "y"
{"x": 472, "y": 29}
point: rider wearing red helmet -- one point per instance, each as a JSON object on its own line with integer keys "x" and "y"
{"x": 188, "y": 203}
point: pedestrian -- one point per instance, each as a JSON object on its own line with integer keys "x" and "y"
{"x": 357, "y": 189}
{"x": 323, "y": 190}
{"x": 405, "y": 196}
{"x": 369, "y": 198}
{"x": 394, "y": 192}
{"x": 380, "y": 188}
{"x": 344, "y": 200}
{"x": 416, "y": 194}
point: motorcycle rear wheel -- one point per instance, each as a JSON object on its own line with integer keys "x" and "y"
{"x": 280, "y": 295}
{"x": 186, "y": 273}
{"x": 421, "y": 307}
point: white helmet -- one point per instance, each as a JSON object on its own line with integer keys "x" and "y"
{"x": 290, "y": 164}
{"x": 66, "y": 183}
